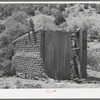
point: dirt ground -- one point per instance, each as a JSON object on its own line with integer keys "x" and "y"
{"x": 92, "y": 81}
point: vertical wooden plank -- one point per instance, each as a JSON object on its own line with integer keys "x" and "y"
{"x": 56, "y": 58}
{"x": 83, "y": 53}
{"x": 67, "y": 54}
{"x": 49, "y": 53}
{"x": 62, "y": 55}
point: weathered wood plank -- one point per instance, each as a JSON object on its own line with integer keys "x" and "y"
{"x": 83, "y": 53}
{"x": 67, "y": 54}
{"x": 49, "y": 53}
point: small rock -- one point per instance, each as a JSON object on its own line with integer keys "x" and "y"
{"x": 38, "y": 86}
{"x": 36, "y": 78}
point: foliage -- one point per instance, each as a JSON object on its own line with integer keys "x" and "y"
{"x": 7, "y": 10}
{"x": 2, "y": 27}
{"x": 54, "y": 11}
{"x": 86, "y": 6}
{"x": 61, "y": 7}
{"x": 46, "y": 10}
{"x": 59, "y": 19}
{"x": 7, "y": 52}
{"x": 37, "y": 12}
{"x": 98, "y": 8}
{"x": 17, "y": 25}
{"x": 4, "y": 40}
{"x": 31, "y": 11}
{"x": 6, "y": 67}
{"x": 93, "y": 5}
{"x": 93, "y": 59}
{"x": 16, "y": 30}
{"x": 19, "y": 16}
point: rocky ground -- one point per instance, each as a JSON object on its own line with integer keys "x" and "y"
{"x": 92, "y": 81}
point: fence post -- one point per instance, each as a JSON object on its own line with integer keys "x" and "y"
{"x": 83, "y": 53}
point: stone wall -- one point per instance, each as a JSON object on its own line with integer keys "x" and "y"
{"x": 28, "y": 58}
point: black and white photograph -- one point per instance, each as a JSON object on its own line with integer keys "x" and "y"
{"x": 49, "y": 45}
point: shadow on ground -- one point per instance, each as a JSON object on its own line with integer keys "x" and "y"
{"x": 89, "y": 79}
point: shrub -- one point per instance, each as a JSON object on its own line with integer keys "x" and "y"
{"x": 16, "y": 30}
{"x": 6, "y": 67}
{"x": 7, "y": 10}
{"x": 46, "y": 10}
{"x": 93, "y": 5}
{"x": 81, "y": 9}
{"x": 98, "y": 9}
{"x": 54, "y": 11}
{"x": 19, "y": 16}
{"x": 17, "y": 25}
{"x": 86, "y": 6}
{"x": 61, "y": 7}
{"x": 9, "y": 52}
{"x": 31, "y": 11}
{"x": 59, "y": 19}
{"x": 4, "y": 40}
{"x": 64, "y": 14}
{"x": 37, "y": 12}
{"x": 93, "y": 59}
{"x": 2, "y": 27}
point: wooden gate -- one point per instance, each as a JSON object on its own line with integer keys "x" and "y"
{"x": 57, "y": 54}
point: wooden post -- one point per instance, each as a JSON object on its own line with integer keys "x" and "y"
{"x": 83, "y": 53}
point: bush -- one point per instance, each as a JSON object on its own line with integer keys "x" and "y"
{"x": 64, "y": 14}
{"x": 17, "y": 25}
{"x": 61, "y": 7}
{"x": 2, "y": 27}
{"x": 37, "y": 12}
{"x": 86, "y": 6}
{"x": 59, "y": 19}
{"x": 19, "y": 16}
{"x": 93, "y": 59}
{"x": 81, "y": 9}
{"x": 6, "y": 67}
{"x": 7, "y": 10}
{"x": 31, "y": 11}
{"x": 9, "y": 52}
{"x": 54, "y": 11}
{"x": 93, "y": 5}
{"x": 4, "y": 40}
{"x": 6, "y": 52}
{"x": 16, "y": 30}
{"x": 46, "y": 10}
{"x": 98, "y": 9}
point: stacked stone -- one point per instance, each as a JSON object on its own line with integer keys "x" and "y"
{"x": 29, "y": 55}
{"x": 26, "y": 45}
